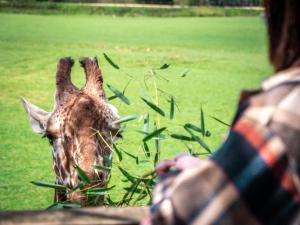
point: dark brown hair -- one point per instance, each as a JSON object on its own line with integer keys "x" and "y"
{"x": 283, "y": 19}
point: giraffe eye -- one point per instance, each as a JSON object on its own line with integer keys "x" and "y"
{"x": 50, "y": 137}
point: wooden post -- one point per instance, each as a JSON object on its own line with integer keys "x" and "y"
{"x": 83, "y": 216}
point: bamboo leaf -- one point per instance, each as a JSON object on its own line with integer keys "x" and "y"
{"x": 146, "y": 149}
{"x": 202, "y": 124}
{"x": 185, "y": 73}
{"x": 49, "y": 185}
{"x": 164, "y": 66}
{"x": 157, "y": 146}
{"x": 156, "y": 159}
{"x": 107, "y": 160}
{"x": 111, "y": 62}
{"x": 145, "y": 161}
{"x": 132, "y": 156}
{"x": 102, "y": 188}
{"x": 155, "y": 133}
{"x": 138, "y": 190}
{"x": 146, "y": 123}
{"x": 99, "y": 191}
{"x": 172, "y": 104}
{"x": 190, "y": 150}
{"x": 59, "y": 205}
{"x": 110, "y": 202}
{"x": 126, "y": 86}
{"x": 157, "y": 151}
{"x": 118, "y": 152}
{"x": 112, "y": 97}
{"x": 182, "y": 137}
{"x": 125, "y": 119}
{"x": 56, "y": 205}
{"x": 162, "y": 137}
{"x": 207, "y": 134}
{"x": 119, "y": 94}
{"x": 220, "y": 121}
{"x": 127, "y": 175}
{"x": 98, "y": 167}
{"x": 82, "y": 175}
{"x": 96, "y": 193}
{"x": 71, "y": 205}
{"x": 142, "y": 195}
{"x": 142, "y": 132}
{"x": 192, "y": 127}
{"x": 154, "y": 107}
{"x": 80, "y": 186}
{"x": 202, "y": 143}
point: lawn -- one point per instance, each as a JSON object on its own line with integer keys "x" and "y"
{"x": 223, "y": 56}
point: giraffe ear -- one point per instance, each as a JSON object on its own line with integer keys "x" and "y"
{"x": 37, "y": 116}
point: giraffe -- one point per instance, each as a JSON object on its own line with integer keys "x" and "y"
{"x": 70, "y": 128}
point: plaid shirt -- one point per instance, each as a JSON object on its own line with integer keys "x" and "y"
{"x": 253, "y": 178}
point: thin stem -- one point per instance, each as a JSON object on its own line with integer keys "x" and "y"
{"x": 156, "y": 95}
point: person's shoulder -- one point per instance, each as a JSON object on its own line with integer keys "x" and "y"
{"x": 278, "y": 101}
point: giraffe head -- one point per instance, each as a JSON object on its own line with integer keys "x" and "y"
{"x": 72, "y": 127}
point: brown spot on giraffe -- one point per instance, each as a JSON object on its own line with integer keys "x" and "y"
{"x": 71, "y": 127}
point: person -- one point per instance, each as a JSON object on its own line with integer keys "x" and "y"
{"x": 254, "y": 177}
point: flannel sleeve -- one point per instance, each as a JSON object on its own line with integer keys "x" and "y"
{"x": 247, "y": 181}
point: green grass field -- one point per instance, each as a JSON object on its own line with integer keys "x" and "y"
{"x": 223, "y": 56}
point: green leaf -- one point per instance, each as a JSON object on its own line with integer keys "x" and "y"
{"x": 71, "y": 205}
{"x": 80, "y": 186}
{"x": 185, "y": 73}
{"x": 146, "y": 149}
{"x": 154, "y": 107}
{"x": 128, "y": 189}
{"x": 190, "y": 150}
{"x": 156, "y": 158}
{"x": 155, "y": 133}
{"x": 127, "y": 175}
{"x": 118, "y": 152}
{"x": 161, "y": 137}
{"x": 145, "y": 161}
{"x": 142, "y": 132}
{"x": 56, "y": 205}
{"x": 107, "y": 160}
{"x": 220, "y": 121}
{"x": 119, "y": 94}
{"x": 202, "y": 124}
{"x": 61, "y": 205}
{"x": 157, "y": 147}
{"x": 192, "y": 127}
{"x": 182, "y": 137}
{"x": 99, "y": 191}
{"x": 132, "y": 156}
{"x": 82, "y": 175}
{"x": 102, "y": 188}
{"x": 172, "y": 104}
{"x": 125, "y": 119}
{"x": 109, "y": 60}
{"x": 112, "y": 97}
{"x": 202, "y": 143}
{"x": 146, "y": 123}
{"x": 49, "y": 185}
{"x": 126, "y": 86}
{"x": 142, "y": 196}
{"x": 164, "y": 66}
{"x": 207, "y": 134}
{"x": 98, "y": 167}
{"x": 110, "y": 202}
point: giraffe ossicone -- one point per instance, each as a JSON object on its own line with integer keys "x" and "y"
{"x": 72, "y": 128}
